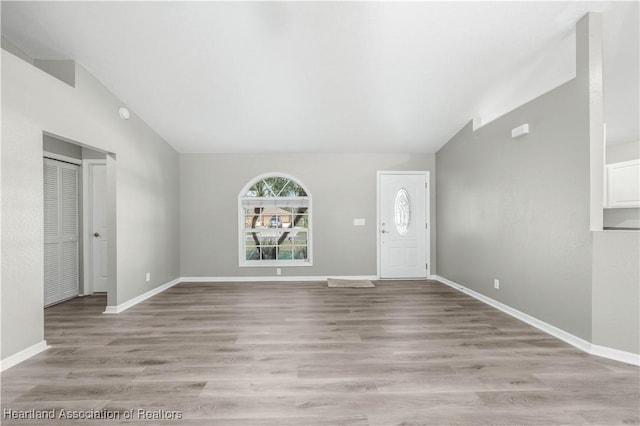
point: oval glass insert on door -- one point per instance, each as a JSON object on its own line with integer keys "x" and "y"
{"x": 402, "y": 211}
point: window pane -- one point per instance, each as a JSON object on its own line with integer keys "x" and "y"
{"x": 299, "y": 238}
{"x": 248, "y": 238}
{"x": 267, "y": 239}
{"x": 293, "y": 189}
{"x": 275, "y": 221}
{"x": 254, "y": 217}
{"x": 251, "y": 211}
{"x": 253, "y": 222}
{"x": 268, "y": 252}
{"x": 252, "y": 253}
{"x": 300, "y": 253}
{"x": 285, "y": 252}
{"x": 301, "y": 220}
{"x": 402, "y": 211}
{"x": 276, "y": 186}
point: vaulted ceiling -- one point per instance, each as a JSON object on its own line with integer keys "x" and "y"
{"x": 328, "y": 76}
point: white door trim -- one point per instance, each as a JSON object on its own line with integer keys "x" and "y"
{"x": 87, "y": 224}
{"x": 427, "y": 212}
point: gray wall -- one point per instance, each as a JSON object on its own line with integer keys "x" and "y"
{"x": 57, "y": 146}
{"x": 15, "y": 50}
{"x": 616, "y": 290}
{"x": 518, "y": 210}
{"x": 90, "y": 154}
{"x": 63, "y": 70}
{"x": 146, "y": 190}
{"x": 622, "y": 218}
{"x": 623, "y": 152}
{"x": 343, "y": 187}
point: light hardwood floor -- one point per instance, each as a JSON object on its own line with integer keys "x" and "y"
{"x": 286, "y": 353}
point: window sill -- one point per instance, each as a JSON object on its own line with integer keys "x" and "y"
{"x": 275, "y": 263}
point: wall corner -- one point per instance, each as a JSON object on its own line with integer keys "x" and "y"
{"x": 589, "y": 60}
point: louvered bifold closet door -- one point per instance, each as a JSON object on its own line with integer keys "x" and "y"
{"x": 60, "y": 231}
{"x": 51, "y": 234}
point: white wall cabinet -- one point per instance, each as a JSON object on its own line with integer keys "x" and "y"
{"x": 623, "y": 184}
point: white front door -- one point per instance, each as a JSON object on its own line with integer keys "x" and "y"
{"x": 61, "y": 257}
{"x": 402, "y": 224}
{"x": 99, "y": 231}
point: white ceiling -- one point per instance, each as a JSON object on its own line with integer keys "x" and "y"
{"x": 331, "y": 77}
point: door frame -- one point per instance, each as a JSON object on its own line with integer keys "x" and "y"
{"x": 87, "y": 223}
{"x": 427, "y": 215}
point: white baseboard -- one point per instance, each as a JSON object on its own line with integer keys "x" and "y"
{"x": 617, "y": 355}
{"x": 23, "y": 355}
{"x": 276, "y": 278}
{"x": 144, "y": 296}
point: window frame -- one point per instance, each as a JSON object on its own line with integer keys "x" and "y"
{"x": 242, "y": 241}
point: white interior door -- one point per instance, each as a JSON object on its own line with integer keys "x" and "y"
{"x": 402, "y": 225}
{"x": 99, "y": 231}
{"x": 60, "y": 231}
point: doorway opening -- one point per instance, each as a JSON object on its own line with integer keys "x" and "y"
{"x": 77, "y": 201}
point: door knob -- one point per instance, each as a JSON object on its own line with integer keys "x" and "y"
{"x": 96, "y": 234}
{"x": 384, "y": 231}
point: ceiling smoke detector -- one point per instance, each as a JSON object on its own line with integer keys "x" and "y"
{"x": 124, "y": 113}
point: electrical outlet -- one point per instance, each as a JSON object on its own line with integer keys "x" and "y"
{"x": 496, "y": 284}
{"x": 278, "y": 271}
{"x": 148, "y": 277}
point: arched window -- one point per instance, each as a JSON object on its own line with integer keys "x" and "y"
{"x": 275, "y": 222}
